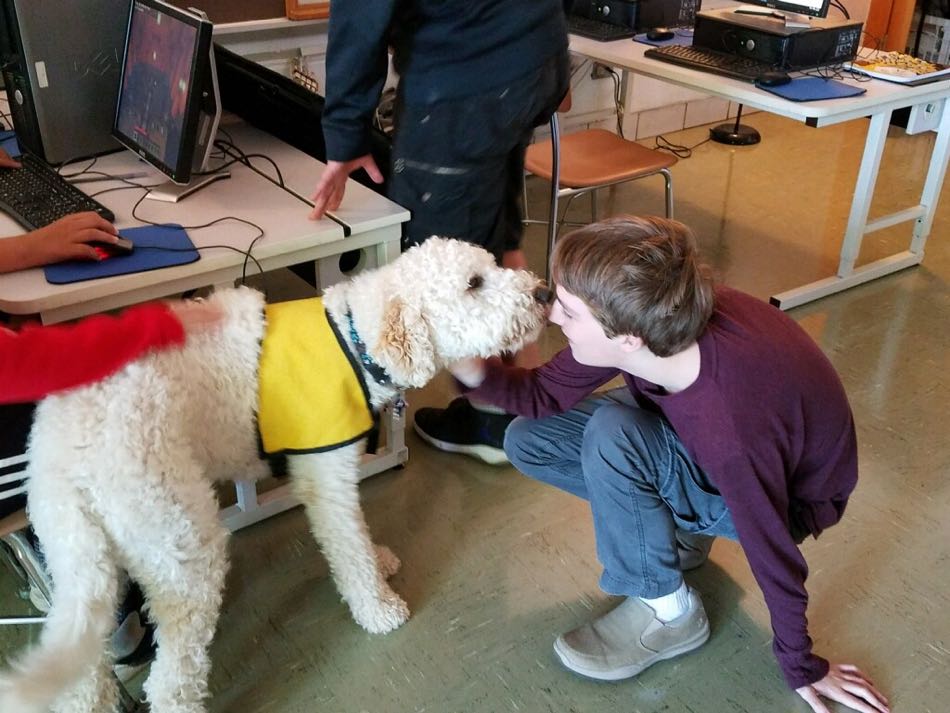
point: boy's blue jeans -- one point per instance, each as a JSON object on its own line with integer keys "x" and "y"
{"x": 640, "y": 481}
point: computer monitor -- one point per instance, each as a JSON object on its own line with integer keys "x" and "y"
{"x": 168, "y": 105}
{"x": 789, "y": 8}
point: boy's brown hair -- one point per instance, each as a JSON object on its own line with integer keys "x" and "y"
{"x": 639, "y": 276}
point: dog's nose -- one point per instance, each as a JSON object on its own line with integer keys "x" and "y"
{"x": 544, "y": 295}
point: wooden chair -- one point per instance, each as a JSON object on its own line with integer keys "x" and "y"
{"x": 586, "y": 161}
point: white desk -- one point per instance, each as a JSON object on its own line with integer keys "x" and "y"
{"x": 372, "y": 222}
{"x": 878, "y": 102}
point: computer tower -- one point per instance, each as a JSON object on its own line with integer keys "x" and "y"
{"x": 614, "y": 12}
{"x": 666, "y": 13}
{"x": 61, "y": 63}
{"x": 640, "y": 15}
{"x": 768, "y": 40}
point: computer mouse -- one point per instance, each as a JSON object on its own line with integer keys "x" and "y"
{"x": 773, "y": 79}
{"x": 658, "y": 34}
{"x": 122, "y": 246}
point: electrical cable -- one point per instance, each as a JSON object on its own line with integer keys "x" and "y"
{"x": 661, "y": 143}
{"x": 248, "y": 256}
{"x": 618, "y": 106}
{"x": 246, "y": 253}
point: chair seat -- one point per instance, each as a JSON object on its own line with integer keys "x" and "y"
{"x": 596, "y": 157}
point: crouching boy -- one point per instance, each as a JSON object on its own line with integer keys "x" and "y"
{"x": 732, "y": 424}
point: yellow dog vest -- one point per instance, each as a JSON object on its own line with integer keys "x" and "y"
{"x": 311, "y": 393}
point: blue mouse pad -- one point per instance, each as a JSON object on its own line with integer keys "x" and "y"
{"x": 154, "y": 246}
{"x": 806, "y": 89}
{"x": 681, "y": 37}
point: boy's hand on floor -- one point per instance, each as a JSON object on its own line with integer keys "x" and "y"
{"x": 845, "y": 684}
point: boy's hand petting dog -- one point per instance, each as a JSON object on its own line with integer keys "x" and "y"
{"x": 470, "y": 372}
{"x": 845, "y": 684}
{"x": 196, "y": 315}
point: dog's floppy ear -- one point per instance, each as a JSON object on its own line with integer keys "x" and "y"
{"x": 405, "y": 347}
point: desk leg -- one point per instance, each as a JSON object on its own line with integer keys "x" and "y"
{"x": 848, "y": 276}
{"x": 934, "y": 183}
{"x": 251, "y": 507}
{"x": 863, "y": 192}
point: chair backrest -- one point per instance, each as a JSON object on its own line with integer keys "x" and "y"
{"x": 12, "y": 487}
{"x": 12, "y": 475}
{"x": 17, "y": 421}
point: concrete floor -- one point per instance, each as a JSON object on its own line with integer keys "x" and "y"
{"x": 495, "y": 565}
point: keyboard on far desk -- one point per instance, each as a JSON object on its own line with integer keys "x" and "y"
{"x": 597, "y": 30}
{"x": 706, "y": 60}
{"x": 36, "y": 195}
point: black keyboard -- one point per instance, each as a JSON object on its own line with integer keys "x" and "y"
{"x": 36, "y": 195}
{"x": 597, "y": 30}
{"x": 724, "y": 63}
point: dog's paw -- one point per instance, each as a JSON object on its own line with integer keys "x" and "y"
{"x": 384, "y": 615}
{"x": 387, "y": 562}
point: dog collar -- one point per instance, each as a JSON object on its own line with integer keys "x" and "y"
{"x": 375, "y": 370}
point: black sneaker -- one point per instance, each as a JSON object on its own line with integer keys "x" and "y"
{"x": 144, "y": 651}
{"x": 134, "y": 639}
{"x": 461, "y": 428}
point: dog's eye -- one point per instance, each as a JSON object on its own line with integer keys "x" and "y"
{"x": 475, "y": 281}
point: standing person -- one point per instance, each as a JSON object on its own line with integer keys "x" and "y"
{"x": 732, "y": 423}
{"x": 476, "y": 77}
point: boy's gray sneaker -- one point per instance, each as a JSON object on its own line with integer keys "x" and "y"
{"x": 628, "y": 639}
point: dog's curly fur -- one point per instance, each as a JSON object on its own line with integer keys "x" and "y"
{"x": 121, "y": 473}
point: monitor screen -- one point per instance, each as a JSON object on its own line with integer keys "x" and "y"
{"x": 160, "y": 91}
{"x": 812, "y": 8}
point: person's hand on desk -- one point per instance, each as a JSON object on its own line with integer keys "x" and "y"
{"x": 329, "y": 191}
{"x": 66, "y": 239}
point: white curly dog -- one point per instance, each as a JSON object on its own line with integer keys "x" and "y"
{"x": 121, "y": 472}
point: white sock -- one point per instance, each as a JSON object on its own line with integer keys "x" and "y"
{"x": 485, "y": 407}
{"x": 670, "y": 606}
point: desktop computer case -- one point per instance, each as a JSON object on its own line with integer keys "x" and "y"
{"x": 641, "y": 15}
{"x": 767, "y": 40}
{"x": 61, "y": 65}
{"x": 666, "y": 13}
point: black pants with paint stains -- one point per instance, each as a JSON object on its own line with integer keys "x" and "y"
{"x": 458, "y": 164}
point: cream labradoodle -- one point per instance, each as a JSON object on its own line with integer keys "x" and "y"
{"x": 121, "y": 472}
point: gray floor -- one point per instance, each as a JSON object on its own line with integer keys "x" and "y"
{"x": 494, "y": 565}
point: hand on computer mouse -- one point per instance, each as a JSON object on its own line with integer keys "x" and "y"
{"x": 105, "y": 250}
{"x": 71, "y": 238}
